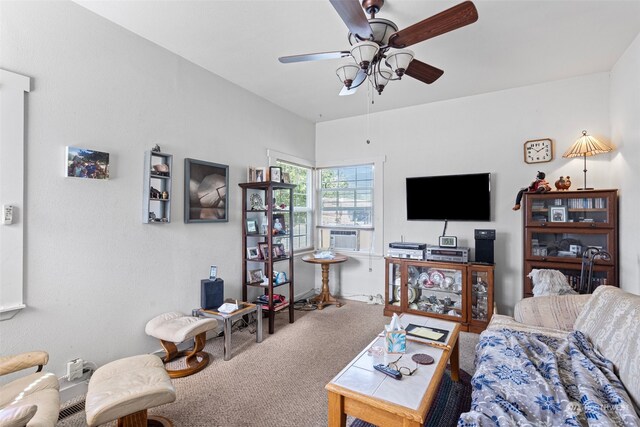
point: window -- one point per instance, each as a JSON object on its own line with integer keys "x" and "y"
{"x": 302, "y": 203}
{"x": 346, "y": 214}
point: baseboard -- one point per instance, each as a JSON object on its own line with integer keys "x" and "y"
{"x": 72, "y": 390}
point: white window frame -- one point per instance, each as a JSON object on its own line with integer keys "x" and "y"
{"x": 376, "y": 247}
{"x": 275, "y": 156}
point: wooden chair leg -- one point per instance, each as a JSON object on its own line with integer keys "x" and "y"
{"x": 140, "y": 419}
{"x": 196, "y": 359}
{"x": 170, "y": 349}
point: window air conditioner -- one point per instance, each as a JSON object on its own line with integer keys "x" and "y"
{"x": 344, "y": 239}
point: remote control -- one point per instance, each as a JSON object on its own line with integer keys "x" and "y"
{"x": 396, "y": 375}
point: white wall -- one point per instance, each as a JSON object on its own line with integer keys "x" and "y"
{"x": 625, "y": 132}
{"x": 94, "y": 273}
{"x": 483, "y": 133}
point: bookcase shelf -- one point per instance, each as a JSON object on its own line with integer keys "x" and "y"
{"x": 267, "y": 192}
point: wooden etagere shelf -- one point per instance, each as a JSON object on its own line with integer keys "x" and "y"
{"x": 560, "y": 225}
{"x": 258, "y": 206}
{"x": 459, "y": 292}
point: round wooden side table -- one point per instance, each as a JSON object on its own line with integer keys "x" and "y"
{"x": 324, "y": 297}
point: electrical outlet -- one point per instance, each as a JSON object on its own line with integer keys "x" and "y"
{"x": 74, "y": 369}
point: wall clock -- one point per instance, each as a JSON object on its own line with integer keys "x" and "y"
{"x": 538, "y": 151}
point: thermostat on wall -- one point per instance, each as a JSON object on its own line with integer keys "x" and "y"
{"x": 7, "y": 214}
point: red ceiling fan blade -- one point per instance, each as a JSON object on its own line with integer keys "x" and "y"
{"x": 354, "y": 17}
{"x": 360, "y": 78}
{"x": 451, "y": 19}
{"x": 424, "y": 72}
{"x": 314, "y": 56}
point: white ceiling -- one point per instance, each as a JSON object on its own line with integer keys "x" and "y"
{"x": 513, "y": 43}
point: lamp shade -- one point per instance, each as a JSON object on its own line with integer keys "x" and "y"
{"x": 587, "y": 145}
{"x": 381, "y": 79}
{"x": 399, "y": 61}
{"x": 347, "y": 73}
{"x": 364, "y": 52}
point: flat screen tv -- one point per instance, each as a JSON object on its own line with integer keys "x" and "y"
{"x": 449, "y": 197}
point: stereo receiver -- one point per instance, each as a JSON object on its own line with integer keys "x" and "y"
{"x": 436, "y": 253}
{"x": 406, "y": 253}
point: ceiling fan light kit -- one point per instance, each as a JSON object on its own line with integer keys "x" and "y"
{"x": 347, "y": 73}
{"x": 377, "y": 41}
{"x": 364, "y": 53}
{"x": 399, "y": 61}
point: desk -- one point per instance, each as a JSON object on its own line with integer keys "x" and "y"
{"x": 365, "y": 393}
{"x": 325, "y": 297}
{"x": 228, "y": 319}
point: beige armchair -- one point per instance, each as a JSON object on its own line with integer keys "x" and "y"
{"x": 32, "y": 400}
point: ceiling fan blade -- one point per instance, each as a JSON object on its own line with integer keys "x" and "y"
{"x": 451, "y": 19}
{"x": 424, "y": 72}
{"x": 360, "y": 77}
{"x": 354, "y": 17}
{"x": 314, "y": 56}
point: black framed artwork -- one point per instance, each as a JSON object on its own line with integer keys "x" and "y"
{"x": 205, "y": 191}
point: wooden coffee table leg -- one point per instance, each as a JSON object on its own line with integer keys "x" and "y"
{"x": 455, "y": 362}
{"x": 337, "y": 416}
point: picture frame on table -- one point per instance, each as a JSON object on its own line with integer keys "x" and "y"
{"x": 286, "y": 178}
{"x": 205, "y": 192}
{"x": 278, "y": 250}
{"x": 213, "y": 272}
{"x": 557, "y": 214}
{"x": 261, "y": 174}
{"x": 263, "y": 249}
{"x": 251, "y": 174}
{"x": 256, "y": 275}
{"x": 275, "y": 173}
{"x": 252, "y": 226}
{"x": 279, "y": 225}
{"x": 252, "y": 253}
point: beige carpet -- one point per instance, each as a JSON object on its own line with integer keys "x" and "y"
{"x": 279, "y": 382}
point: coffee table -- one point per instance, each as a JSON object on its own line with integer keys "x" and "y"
{"x": 228, "y": 319}
{"x": 362, "y": 392}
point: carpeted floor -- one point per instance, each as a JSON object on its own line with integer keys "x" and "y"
{"x": 279, "y": 382}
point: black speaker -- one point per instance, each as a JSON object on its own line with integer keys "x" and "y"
{"x": 484, "y": 246}
{"x": 211, "y": 293}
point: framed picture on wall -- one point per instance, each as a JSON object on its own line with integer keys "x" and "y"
{"x": 205, "y": 193}
{"x": 86, "y": 163}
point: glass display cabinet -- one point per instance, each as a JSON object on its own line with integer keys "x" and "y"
{"x": 458, "y": 292}
{"x": 560, "y": 226}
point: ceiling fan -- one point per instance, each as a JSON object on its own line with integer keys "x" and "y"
{"x": 378, "y": 48}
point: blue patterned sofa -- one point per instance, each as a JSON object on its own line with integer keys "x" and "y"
{"x": 568, "y": 360}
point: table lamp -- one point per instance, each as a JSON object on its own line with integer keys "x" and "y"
{"x": 585, "y": 146}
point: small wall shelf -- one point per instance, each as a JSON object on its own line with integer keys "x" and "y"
{"x": 156, "y": 192}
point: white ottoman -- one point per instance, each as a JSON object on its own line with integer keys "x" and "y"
{"x": 126, "y": 388}
{"x": 173, "y": 328}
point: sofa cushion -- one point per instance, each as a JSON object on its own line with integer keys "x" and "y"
{"x": 611, "y": 320}
{"x": 556, "y": 312}
{"x": 499, "y": 321}
{"x": 17, "y": 415}
{"x": 22, "y": 387}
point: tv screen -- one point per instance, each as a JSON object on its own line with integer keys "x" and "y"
{"x": 450, "y": 197}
